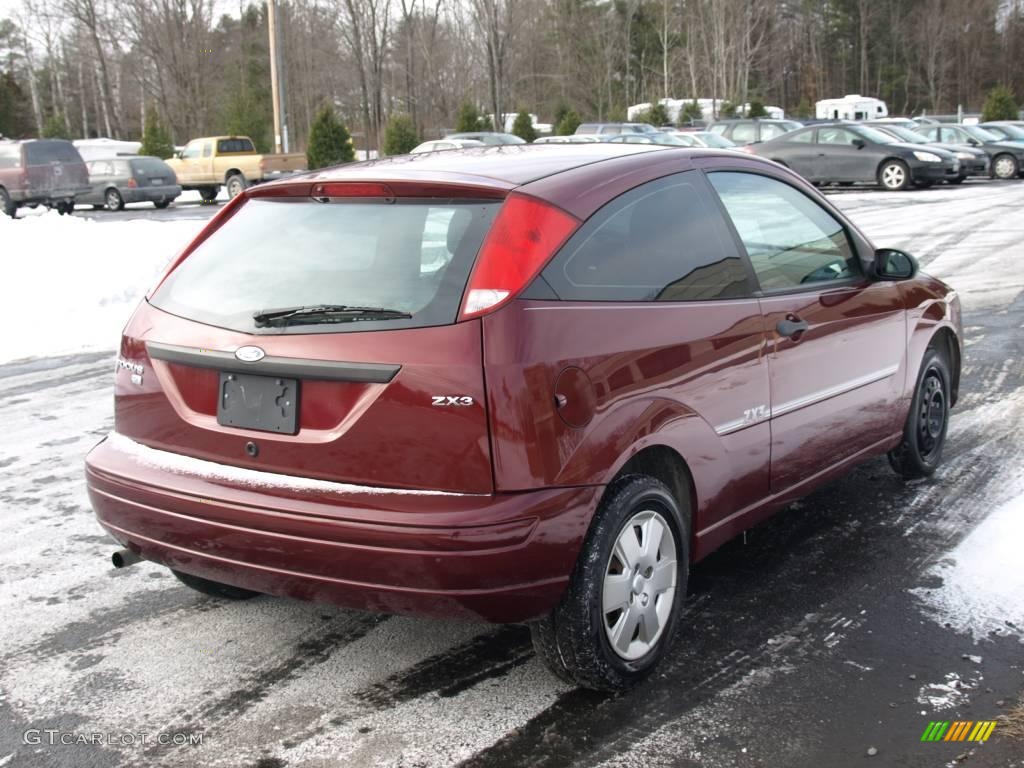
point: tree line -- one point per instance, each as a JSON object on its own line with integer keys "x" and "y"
{"x": 87, "y": 68}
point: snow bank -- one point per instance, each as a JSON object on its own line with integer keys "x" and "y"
{"x": 983, "y": 583}
{"x": 69, "y": 284}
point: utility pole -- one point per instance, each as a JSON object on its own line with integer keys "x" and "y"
{"x": 272, "y": 29}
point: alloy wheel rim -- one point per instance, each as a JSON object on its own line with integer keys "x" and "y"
{"x": 931, "y": 420}
{"x": 112, "y": 200}
{"x": 893, "y": 176}
{"x": 1004, "y": 168}
{"x": 638, "y": 592}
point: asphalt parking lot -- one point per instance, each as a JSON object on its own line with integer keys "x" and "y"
{"x": 818, "y": 641}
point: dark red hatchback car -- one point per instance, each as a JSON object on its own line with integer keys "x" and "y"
{"x": 520, "y": 384}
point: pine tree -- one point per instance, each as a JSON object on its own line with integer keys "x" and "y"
{"x": 523, "y": 126}
{"x": 156, "y": 141}
{"x": 691, "y": 111}
{"x": 400, "y": 136}
{"x": 568, "y": 124}
{"x": 726, "y": 110}
{"x": 469, "y": 120}
{"x": 757, "y": 109}
{"x": 656, "y": 115}
{"x": 56, "y": 128}
{"x": 329, "y": 141}
{"x": 1000, "y": 105}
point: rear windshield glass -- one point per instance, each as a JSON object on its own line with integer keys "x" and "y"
{"x": 411, "y": 255}
{"x": 225, "y": 146}
{"x": 51, "y": 151}
{"x": 150, "y": 166}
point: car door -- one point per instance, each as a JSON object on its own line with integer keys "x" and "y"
{"x": 840, "y": 159}
{"x": 796, "y": 151}
{"x": 190, "y": 157}
{"x": 838, "y": 340}
{"x": 648, "y": 306}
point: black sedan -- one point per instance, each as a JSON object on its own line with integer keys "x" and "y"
{"x": 1006, "y": 158}
{"x": 846, "y": 153}
{"x": 973, "y": 161}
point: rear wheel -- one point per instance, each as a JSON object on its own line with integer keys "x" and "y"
{"x": 236, "y": 184}
{"x": 65, "y": 207}
{"x": 209, "y": 194}
{"x": 213, "y": 588}
{"x": 7, "y": 206}
{"x": 620, "y": 612}
{"x": 113, "y": 201}
{"x": 161, "y": 203}
{"x": 1005, "y": 167}
{"x": 924, "y": 434}
{"x": 894, "y": 175}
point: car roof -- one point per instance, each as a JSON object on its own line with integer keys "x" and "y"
{"x": 502, "y": 166}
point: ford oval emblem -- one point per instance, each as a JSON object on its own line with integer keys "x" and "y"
{"x": 250, "y": 354}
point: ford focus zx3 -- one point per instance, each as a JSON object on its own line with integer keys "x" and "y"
{"x": 517, "y": 384}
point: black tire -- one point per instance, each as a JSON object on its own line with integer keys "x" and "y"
{"x": 112, "y": 200}
{"x": 97, "y": 207}
{"x": 209, "y": 194}
{"x": 574, "y": 640}
{"x": 235, "y": 185}
{"x": 894, "y": 176}
{"x": 845, "y": 183}
{"x": 7, "y": 206}
{"x": 924, "y": 184}
{"x": 1004, "y": 166}
{"x": 161, "y": 204}
{"x": 64, "y": 208}
{"x": 213, "y": 588}
{"x": 924, "y": 433}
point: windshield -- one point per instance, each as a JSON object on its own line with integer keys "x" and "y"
{"x": 714, "y": 140}
{"x": 1011, "y": 131}
{"x": 412, "y": 256}
{"x": 980, "y": 133}
{"x": 905, "y": 134}
{"x": 872, "y": 134}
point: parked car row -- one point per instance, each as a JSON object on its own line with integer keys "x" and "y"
{"x": 51, "y": 172}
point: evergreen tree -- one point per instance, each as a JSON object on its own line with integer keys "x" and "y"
{"x": 523, "y": 126}
{"x": 561, "y": 111}
{"x": 726, "y": 110}
{"x": 757, "y": 109}
{"x": 691, "y": 111}
{"x": 1000, "y": 105}
{"x": 15, "y": 109}
{"x": 329, "y": 141}
{"x": 469, "y": 120}
{"x": 568, "y": 124}
{"x": 248, "y": 107}
{"x": 156, "y": 141}
{"x": 56, "y": 128}
{"x": 804, "y": 109}
{"x": 400, "y": 136}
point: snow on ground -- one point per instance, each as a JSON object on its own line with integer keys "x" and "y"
{"x": 980, "y": 595}
{"x": 72, "y": 282}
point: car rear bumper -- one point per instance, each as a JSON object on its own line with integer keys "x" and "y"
{"x": 150, "y": 194}
{"x": 50, "y": 197}
{"x": 500, "y": 558}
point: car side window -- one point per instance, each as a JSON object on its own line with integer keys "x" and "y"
{"x": 835, "y": 136}
{"x": 790, "y": 239}
{"x": 207, "y": 149}
{"x": 770, "y": 131}
{"x": 744, "y": 133}
{"x": 662, "y": 241}
{"x": 804, "y": 137}
{"x": 953, "y": 136}
{"x": 720, "y": 128}
{"x": 101, "y": 168}
{"x": 10, "y": 156}
{"x": 191, "y": 151}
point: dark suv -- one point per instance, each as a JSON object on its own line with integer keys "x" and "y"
{"x": 46, "y": 172}
{"x": 518, "y": 384}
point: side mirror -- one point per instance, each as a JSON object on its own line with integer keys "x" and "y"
{"x": 858, "y": 143}
{"x": 974, "y": 142}
{"x": 891, "y": 264}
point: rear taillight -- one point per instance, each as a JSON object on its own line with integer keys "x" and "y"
{"x": 525, "y": 234}
{"x": 132, "y": 183}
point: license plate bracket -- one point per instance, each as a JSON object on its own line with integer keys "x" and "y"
{"x": 264, "y": 403}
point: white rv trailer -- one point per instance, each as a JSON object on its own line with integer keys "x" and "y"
{"x": 851, "y": 107}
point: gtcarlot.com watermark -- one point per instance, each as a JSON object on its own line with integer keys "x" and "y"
{"x": 55, "y": 737}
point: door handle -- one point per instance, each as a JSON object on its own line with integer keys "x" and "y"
{"x": 792, "y": 327}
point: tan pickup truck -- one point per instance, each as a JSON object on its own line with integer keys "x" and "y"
{"x": 205, "y": 164}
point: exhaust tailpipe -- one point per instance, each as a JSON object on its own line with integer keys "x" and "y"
{"x": 124, "y": 557}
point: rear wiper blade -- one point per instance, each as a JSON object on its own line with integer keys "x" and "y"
{"x": 324, "y": 313}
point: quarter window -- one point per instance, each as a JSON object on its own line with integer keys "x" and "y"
{"x": 663, "y": 241}
{"x": 791, "y": 240}
{"x": 835, "y": 136}
{"x": 743, "y": 133}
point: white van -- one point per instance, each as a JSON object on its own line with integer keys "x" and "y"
{"x": 851, "y": 107}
